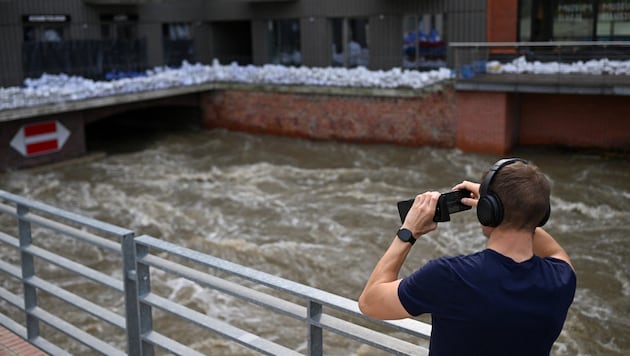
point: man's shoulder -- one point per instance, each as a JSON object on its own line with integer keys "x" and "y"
{"x": 463, "y": 261}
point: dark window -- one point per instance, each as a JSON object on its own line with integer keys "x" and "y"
{"x": 423, "y": 43}
{"x": 350, "y": 43}
{"x": 285, "y": 42}
{"x": 613, "y": 20}
{"x": 177, "y": 39}
{"x": 574, "y": 20}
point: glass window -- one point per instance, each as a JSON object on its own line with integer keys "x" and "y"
{"x": 177, "y": 42}
{"x": 285, "y": 42}
{"x": 177, "y": 31}
{"x": 573, "y": 20}
{"x": 350, "y": 42}
{"x": 613, "y": 20}
{"x": 119, "y": 27}
{"x": 43, "y": 33}
{"x": 423, "y": 44}
{"x": 525, "y": 11}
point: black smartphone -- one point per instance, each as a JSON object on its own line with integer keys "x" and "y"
{"x": 448, "y": 204}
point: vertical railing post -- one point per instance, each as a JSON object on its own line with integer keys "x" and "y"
{"x": 144, "y": 287}
{"x": 130, "y": 281}
{"x": 315, "y": 334}
{"x": 28, "y": 271}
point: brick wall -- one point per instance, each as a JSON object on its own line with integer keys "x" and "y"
{"x": 575, "y": 120}
{"x": 485, "y": 122}
{"x": 420, "y": 120}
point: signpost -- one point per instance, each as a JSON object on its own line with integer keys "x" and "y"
{"x": 40, "y": 138}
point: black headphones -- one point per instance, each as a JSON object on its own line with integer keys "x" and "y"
{"x": 489, "y": 207}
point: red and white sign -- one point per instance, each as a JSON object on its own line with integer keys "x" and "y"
{"x": 40, "y": 138}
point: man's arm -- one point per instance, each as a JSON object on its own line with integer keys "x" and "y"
{"x": 546, "y": 246}
{"x": 379, "y": 298}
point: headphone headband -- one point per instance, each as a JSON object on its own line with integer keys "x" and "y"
{"x": 485, "y": 185}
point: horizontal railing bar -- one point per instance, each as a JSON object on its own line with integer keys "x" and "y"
{"x": 9, "y": 240}
{"x": 265, "y": 300}
{"x": 64, "y": 214}
{"x": 541, "y": 44}
{"x": 290, "y": 309}
{"x": 39, "y": 341}
{"x": 10, "y": 269}
{"x": 72, "y": 331}
{"x": 65, "y": 263}
{"x": 73, "y": 232}
{"x": 78, "y": 268}
{"x": 170, "y": 345}
{"x": 243, "y": 337}
{"x": 8, "y": 209}
{"x": 11, "y": 298}
{"x": 410, "y": 326}
{"x": 18, "y": 302}
{"x": 369, "y": 336}
{"x": 81, "y": 303}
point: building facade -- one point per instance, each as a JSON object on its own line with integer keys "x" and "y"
{"x": 104, "y": 38}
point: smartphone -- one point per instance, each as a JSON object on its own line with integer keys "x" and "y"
{"x": 448, "y": 204}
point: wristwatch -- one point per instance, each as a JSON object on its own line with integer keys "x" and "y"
{"x": 406, "y": 236}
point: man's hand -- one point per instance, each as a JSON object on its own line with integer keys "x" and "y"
{"x": 474, "y": 190}
{"x": 419, "y": 219}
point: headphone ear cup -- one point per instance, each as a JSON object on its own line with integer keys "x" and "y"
{"x": 490, "y": 210}
{"x": 546, "y": 217}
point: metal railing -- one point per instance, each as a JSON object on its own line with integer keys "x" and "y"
{"x": 471, "y": 58}
{"x": 37, "y": 294}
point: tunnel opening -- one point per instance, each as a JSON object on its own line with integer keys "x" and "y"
{"x": 136, "y": 130}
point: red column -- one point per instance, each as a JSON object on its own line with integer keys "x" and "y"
{"x": 485, "y": 122}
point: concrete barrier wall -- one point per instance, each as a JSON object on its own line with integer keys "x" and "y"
{"x": 421, "y": 120}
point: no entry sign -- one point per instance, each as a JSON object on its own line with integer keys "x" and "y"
{"x": 40, "y": 138}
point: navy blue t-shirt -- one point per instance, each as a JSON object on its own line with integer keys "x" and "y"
{"x": 488, "y": 304}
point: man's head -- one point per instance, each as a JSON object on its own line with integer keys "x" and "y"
{"x": 514, "y": 194}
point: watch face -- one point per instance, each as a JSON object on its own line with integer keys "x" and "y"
{"x": 405, "y": 235}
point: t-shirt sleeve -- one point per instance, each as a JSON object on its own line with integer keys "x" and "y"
{"x": 425, "y": 289}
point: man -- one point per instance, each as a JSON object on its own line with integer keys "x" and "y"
{"x": 510, "y": 299}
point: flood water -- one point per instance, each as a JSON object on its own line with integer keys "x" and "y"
{"x": 322, "y": 213}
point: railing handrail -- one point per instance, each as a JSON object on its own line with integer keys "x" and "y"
{"x": 300, "y": 290}
{"x": 140, "y": 255}
{"x": 541, "y": 44}
{"x": 66, "y": 215}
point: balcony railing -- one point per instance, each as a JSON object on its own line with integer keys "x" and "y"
{"x": 548, "y": 67}
{"x": 38, "y": 292}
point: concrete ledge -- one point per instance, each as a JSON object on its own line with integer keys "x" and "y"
{"x": 580, "y": 84}
{"x": 97, "y": 102}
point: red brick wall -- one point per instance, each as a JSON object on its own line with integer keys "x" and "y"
{"x": 427, "y": 120}
{"x": 575, "y": 121}
{"x": 485, "y": 122}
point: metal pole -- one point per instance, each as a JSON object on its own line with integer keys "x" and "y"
{"x": 134, "y": 339}
{"x": 144, "y": 287}
{"x": 315, "y": 335}
{"x": 28, "y": 271}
